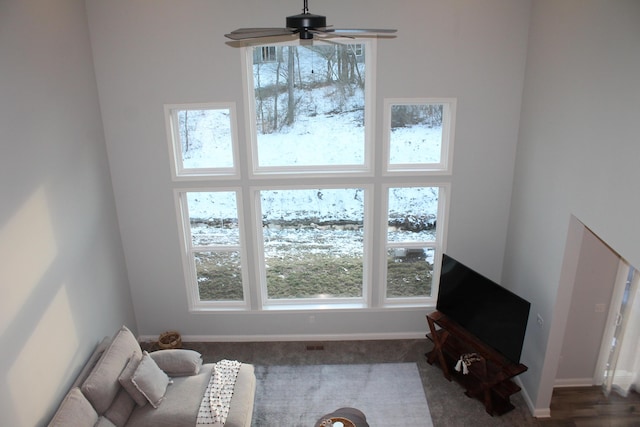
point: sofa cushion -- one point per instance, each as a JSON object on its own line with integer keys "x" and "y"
{"x": 121, "y": 408}
{"x": 74, "y": 411}
{"x": 178, "y": 362}
{"x": 125, "y": 380}
{"x": 104, "y": 422}
{"x": 241, "y": 406}
{"x": 101, "y": 386}
{"x": 150, "y": 380}
{"x": 180, "y": 405}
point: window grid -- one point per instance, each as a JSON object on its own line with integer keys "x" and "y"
{"x": 250, "y": 248}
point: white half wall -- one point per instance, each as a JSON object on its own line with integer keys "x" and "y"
{"x": 577, "y": 163}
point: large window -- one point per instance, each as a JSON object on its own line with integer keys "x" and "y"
{"x": 313, "y": 243}
{"x": 310, "y": 100}
{"x": 305, "y": 219}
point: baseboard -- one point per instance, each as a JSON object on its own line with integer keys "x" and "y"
{"x": 573, "y": 382}
{"x": 546, "y": 412}
{"x": 302, "y": 337}
{"x": 536, "y": 412}
{"x": 542, "y": 413}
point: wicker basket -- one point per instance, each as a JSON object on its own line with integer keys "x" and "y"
{"x": 169, "y": 339}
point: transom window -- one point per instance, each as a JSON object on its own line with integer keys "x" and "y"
{"x": 419, "y": 135}
{"x": 202, "y": 139}
{"x": 305, "y": 220}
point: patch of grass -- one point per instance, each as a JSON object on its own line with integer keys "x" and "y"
{"x": 313, "y": 276}
{"x": 409, "y": 278}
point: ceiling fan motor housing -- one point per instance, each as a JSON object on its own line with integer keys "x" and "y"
{"x": 306, "y": 21}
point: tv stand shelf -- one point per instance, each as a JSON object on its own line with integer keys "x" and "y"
{"x": 488, "y": 379}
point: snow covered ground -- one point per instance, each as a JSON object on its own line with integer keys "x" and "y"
{"x": 319, "y": 135}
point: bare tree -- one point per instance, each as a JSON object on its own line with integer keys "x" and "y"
{"x": 186, "y": 131}
{"x": 290, "y": 86}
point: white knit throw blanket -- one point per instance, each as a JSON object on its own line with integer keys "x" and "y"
{"x": 214, "y": 407}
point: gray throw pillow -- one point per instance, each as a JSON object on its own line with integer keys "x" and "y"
{"x": 102, "y": 386}
{"x": 150, "y": 380}
{"x": 125, "y": 380}
{"x": 178, "y": 362}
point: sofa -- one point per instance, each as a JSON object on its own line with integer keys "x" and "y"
{"x": 123, "y": 386}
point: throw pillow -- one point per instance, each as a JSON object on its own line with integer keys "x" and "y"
{"x": 125, "y": 380}
{"x": 101, "y": 386}
{"x": 178, "y": 362}
{"x": 150, "y": 380}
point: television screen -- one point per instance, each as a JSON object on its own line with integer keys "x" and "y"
{"x": 495, "y": 315}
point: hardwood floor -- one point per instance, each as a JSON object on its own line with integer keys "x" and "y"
{"x": 589, "y": 407}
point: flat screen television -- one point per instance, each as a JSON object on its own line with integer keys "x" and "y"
{"x": 495, "y": 315}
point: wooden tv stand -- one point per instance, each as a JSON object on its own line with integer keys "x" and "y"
{"x": 488, "y": 380}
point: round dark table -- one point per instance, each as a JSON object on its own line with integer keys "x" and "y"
{"x": 349, "y": 417}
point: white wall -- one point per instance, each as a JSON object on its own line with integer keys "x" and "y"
{"x": 151, "y": 52}
{"x": 577, "y": 155}
{"x": 594, "y": 283}
{"x": 62, "y": 270}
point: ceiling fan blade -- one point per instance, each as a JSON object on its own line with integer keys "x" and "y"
{"x": 253, "y": 33}
{"x": 256, "y": 29}
{"x": 306, "y": 25}
{"x": 354, "y": 32}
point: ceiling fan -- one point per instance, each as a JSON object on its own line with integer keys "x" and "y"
{"x": 306, "y": 25}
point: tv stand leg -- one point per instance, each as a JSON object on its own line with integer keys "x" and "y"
{"x": 438, "y": 338}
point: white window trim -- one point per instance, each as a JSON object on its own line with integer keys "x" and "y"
{"x": 366, "y": 169}
{"x": 264, "y": 303}
{"x": 439, "y": 245}
{"x": 178, "y": 171}
{"x": 376, "y": 197}
{"x": 186, "y": 248}
{"x": 445, "y": 166}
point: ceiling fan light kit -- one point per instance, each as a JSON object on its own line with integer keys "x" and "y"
{"x": 305, "y": 25}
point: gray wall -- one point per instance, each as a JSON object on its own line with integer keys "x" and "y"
{"x": 152, "y": 52}
{"x": 62, "y": 270}
{"x": 577, "y": 163}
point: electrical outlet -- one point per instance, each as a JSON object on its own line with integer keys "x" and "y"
{"x": 600, "y": 308}
{"x": 540, "y": 320}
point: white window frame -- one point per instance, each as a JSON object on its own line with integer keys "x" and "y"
{"x": 188, "y": 251}
{"x": 439, "y": 245}
{"x": 445, "y": 166}
{"x": 366, "y": 169}
{"x": 247, "y": 181}
{"x": 178, "y": 171}
{"x": 314, "y": 303}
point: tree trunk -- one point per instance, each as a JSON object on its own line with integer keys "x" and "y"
{"x": 290, "y": 86}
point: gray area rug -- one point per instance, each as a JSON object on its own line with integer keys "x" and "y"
{"x": 389, "y": 394}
